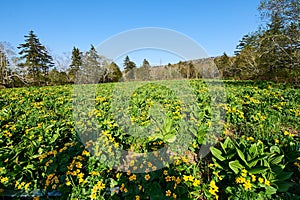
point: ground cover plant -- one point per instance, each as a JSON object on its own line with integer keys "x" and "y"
{"x": 256, "y": 154}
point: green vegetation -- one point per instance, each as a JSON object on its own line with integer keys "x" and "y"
{"x": 256, "y": 154}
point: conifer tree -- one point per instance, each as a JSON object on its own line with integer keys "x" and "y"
{"x": 36, "y": 58}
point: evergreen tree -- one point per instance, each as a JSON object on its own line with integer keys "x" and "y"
{"x": 75, "y": 65}
{"x": 143, "y": 73}
{"x": 129, "y": 69}
{"x": 76, "y": 58}
{"x": 37, "y": 60}
{"x": 92, "y": 67}
{"x": 128, "y": 64}
{"x": 115, "y": 73}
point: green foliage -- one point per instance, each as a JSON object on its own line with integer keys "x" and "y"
{"x": 114, "y": 73}
{"x": 249, "y": 169}
{"x": 37, "y": 60}
{"x": 41, "y": 150}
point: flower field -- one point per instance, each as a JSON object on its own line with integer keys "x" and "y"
{"x": 253, "y": 142}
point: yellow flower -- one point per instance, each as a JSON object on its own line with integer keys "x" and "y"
{"x": 174, "y": 196}
{"x": 168, "y": 193}
{"x": 196, "y": 182}
{"x": 250, "y": 139}
{"x": 68, "y": 183}
{"x": 276, "y": 141}
{"x": 297, "y": 164}
{"x": 177, "y": 162}
{"x": 286, "y": 133}
{"x": 140, "y": 187}
{"x": 212, "y": 191}
{"x": 244, "y": 173}
{"x": 27, "y": 185}
{"x": 168, "y": 178}
{"x": 261, "y": 180}
{"x": 132, "y": 177}
{"x": 147, "y": 177}
{"x": 93, "y": 196}
{"x": 137, "y": 197}
{"x": 188, "y": 178}
{"x": 267, "y": 183}
{"x": 85, "y": 153}
{"x": 184, "y": 159}
{"x": 213, "y": 188}
{"x": 165, "y": 172}
{"x": 253, "y": 177}
{"x": 247, "y": 185}
{"x": 100, "y": 185}
{"x": 131, "y": 164}
{"x": 217, "y": 174}
{"x": 93, "y": 173}
{"x": 78, "y": 165}
{"x": 211, "y": 165}
{"x": 4, "y": 179}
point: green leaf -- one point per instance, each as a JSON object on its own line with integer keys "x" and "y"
{"x": 275, "y": 149}
{"x": 170, "y": 138}
{"x": 270, "y": 190}
{"x": 258, "y": 170}
{"x": 277, "y": 160}
{"x": 235, "y": 166}
{"x": 283, "y": 186}
{"x": 242, "y": 156}
{"x": 217, "y": 153}
{"x": 253, "y": 162}
{"x": 253, "y": 150}
{"x": 284, "y": 176}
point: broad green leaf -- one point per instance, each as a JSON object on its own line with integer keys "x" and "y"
{"x": 258, "y": 170}
{"x": 242, "y": 156}
{"x": 277, "y": 160}
{"x": 284, "y": 176}
{"x": 170, "y": 138}
{"x": 270, "y": 190}
{"x": 283, "y": 186}
{"x": 217, "y": 153}
{"x": 235, "y": 166}
{"x": 253, "y": 150}
{"x": 275, "y": 149}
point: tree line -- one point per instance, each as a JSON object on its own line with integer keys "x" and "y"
{"x": 273, "y": 51}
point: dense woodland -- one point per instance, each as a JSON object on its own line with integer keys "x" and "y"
{"x": 272, "y": 52}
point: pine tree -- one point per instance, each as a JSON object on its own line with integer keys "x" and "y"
{"x": 75, "y": 65}
{"x": 76, "y": 58}
{"x": 128, "y": 64}
{"x": 143, "y": 73}
{"x": 129, "y": 68}
{"x": 115, "y": 73}
{"x": 92, "y": 67}
{"x": 37, "y": 60}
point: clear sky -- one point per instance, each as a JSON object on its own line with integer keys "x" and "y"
{"x": 217, "y": 25}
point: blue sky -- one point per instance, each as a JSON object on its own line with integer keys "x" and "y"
{"x": 217, "y": 25}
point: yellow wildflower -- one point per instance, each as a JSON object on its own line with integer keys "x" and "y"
{"x": 267, "y": 183}
{"x": 247, "y": 185}
{"x": 168, "y": 193}
{"x": 132, "y": 177}
{"x": 147, "y": 177}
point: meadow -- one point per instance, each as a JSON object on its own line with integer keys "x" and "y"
{"x": 251, "y": 129}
